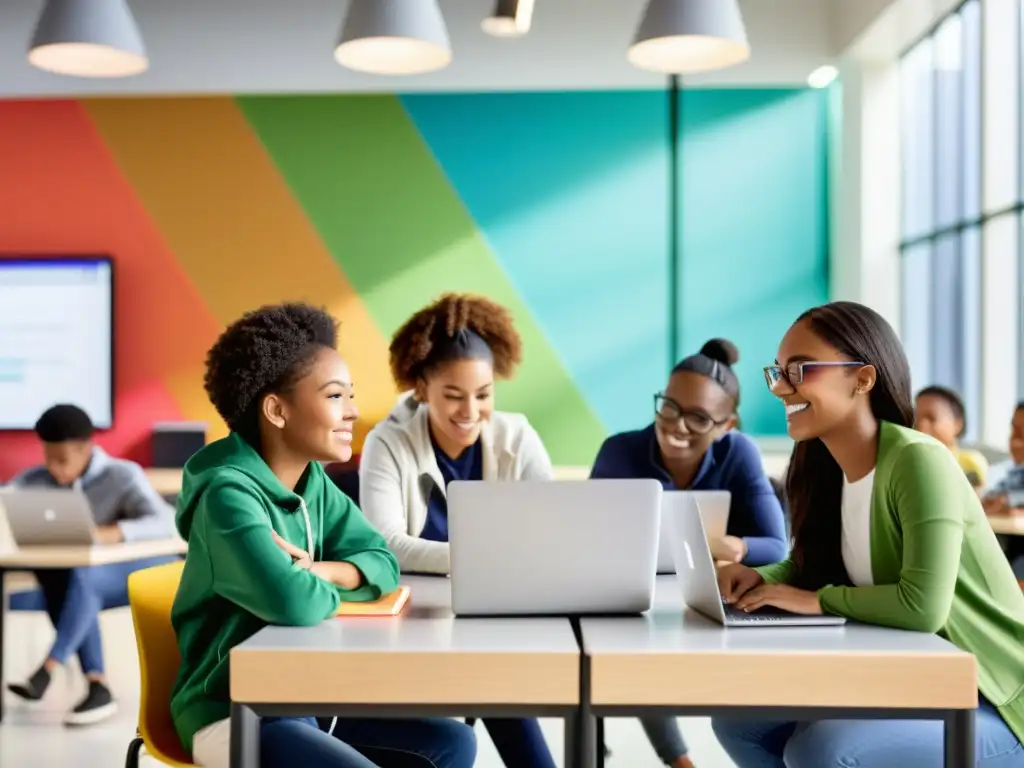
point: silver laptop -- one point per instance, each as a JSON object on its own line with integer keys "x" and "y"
{"x": 574, "y": 547}
{"x": 714, "y": 513}
{"x": 698, "y": 578}
{"x": 48, "y": 516}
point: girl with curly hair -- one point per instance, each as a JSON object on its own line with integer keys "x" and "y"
{"x": 446, "y": 358}
{"x": 272, "y": 541}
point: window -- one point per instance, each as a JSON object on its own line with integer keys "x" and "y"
{"x": 916, "y": 87}
{"x": 971, "y": 325}
{"x": 917, "y": 311}
{"x": 941, "y": 97}
{"x": 971, "y": 173}
{"x": 948, "y": 123}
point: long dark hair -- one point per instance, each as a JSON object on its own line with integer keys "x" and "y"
{"x": 814, "y": 483}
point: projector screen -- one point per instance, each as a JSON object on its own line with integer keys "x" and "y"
{"x": 56, "y": 338}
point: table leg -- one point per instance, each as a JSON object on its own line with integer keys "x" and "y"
{"x": 959, "y": 738}
{"x": 245, "y": 737}
{"x": 581, "y": 740}
{"x": 599, "y": 751}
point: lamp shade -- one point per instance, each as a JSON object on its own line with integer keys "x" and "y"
{"x": 394, "y": 37}
{"x": 688, "y": 36}
{"x": 88, "y": 38}
{"x": 511, "y": 18}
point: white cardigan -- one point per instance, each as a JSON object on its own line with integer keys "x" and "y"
{"x": 398, "y": 471}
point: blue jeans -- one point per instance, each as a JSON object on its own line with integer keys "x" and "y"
{"x": 861, "y": 743}
{"x": 519, "y": 742}
{"x": 74, "y": 599}
{"x": 366, "y": 743}
{"x": 665, "y": 737}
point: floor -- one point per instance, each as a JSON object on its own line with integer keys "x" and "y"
{"x": 33, "y": 735}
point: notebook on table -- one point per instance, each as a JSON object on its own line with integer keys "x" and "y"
{"x": 390, "y": 604}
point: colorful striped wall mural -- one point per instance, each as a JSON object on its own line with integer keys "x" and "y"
{"x": 553, "y": 204}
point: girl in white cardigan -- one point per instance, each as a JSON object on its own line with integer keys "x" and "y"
{"x": 447, "y": 357}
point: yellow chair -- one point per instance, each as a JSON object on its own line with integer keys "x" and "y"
{"x": 151, "y": 593}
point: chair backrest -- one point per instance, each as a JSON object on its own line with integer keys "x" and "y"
{"x": 151, "y": 593}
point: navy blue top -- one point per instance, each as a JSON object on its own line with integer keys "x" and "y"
{"x": 468, "y": 466}
{"x": 732, "y": 464}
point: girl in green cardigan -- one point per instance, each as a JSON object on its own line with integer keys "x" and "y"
{"x": 887, "y": 530}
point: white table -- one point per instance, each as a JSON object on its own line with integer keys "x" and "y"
{"x": 674, "y": 661}
{"x": 422, "y": 663}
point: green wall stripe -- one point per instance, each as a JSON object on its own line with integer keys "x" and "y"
{"x": 387, "y": 213}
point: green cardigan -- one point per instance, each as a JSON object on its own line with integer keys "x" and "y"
{"x": 936, "y": 566}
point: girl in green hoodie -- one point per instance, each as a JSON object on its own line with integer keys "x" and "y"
{"x": 273, "y": 541}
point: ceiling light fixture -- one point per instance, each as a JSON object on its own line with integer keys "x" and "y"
{"x": 88, "y": 38}
{"x": 511, "y": 18}
{"x": 394, "y": 37}
{"x": 685, "y": 37}
{"x": 823, "y": 76}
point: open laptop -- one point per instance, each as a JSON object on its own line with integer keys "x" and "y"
{"x": 714, "y": 513}
{"x": 574, "y": 547}
{"x": 48, "y": 516}
{"x": 699, "y": 580}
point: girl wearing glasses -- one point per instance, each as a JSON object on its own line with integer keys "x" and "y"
{"x": 888, "y": 531}
{"x": 691, "y": 445}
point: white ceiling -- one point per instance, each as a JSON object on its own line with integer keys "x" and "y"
{"x": 260, "y": 46}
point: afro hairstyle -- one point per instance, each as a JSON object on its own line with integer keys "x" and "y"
{"x": 266, "y": 350}
{"x": 64, "y": 423}
{"x": 420, "y": 345}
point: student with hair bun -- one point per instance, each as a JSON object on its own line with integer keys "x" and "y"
{"x": 692, "y": 445}
{"x": 446, "y": 359}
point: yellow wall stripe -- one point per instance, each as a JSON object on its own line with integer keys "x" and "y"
{"x": 234, "y": 225}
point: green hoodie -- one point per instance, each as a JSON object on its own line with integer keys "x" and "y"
{"x": 237, "y": 580}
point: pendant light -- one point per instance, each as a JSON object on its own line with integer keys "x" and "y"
{"x": 511, "y": 18}
{"x": 88, "y": 38}
{"x": 394, "y": 37}
{"x": 689, "y": 36}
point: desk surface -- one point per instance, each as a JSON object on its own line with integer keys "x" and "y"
{"x": 74, "y": 557}
{"x": 676, "y": 657}
{"x": 166, "y": 482}
{"x": 424, "y": 656}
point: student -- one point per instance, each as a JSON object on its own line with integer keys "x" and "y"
{"x": 1006, "y": 479}
{"x": 1005, "y": 492}
{"x": 940, "y": 412}
{"x": 125, "y": 508}
{"x": 449, "y": 354}
{"x": 273, "y": 541}
{"x": 692, "y": 445}
{"x": 887, "y": 531}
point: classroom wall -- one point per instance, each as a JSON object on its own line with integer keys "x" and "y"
{"x": 755, "y": 227}
{"x": 554, "y": 204}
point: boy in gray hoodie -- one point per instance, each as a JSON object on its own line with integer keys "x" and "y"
{"x": 125, "y": 508}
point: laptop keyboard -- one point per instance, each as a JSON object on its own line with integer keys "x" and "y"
{"x": 764, "y": 615}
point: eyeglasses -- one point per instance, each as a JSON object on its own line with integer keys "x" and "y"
{"x": 698, "y": 423}
{"x": 794, "y": 372}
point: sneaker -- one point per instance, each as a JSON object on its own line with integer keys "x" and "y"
{"x": 33, "y": 688}
{"x": 97, "y": 706}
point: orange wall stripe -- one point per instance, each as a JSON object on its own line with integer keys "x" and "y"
{"x": 61, "y": 192}
{"x": 234, "y": 225}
